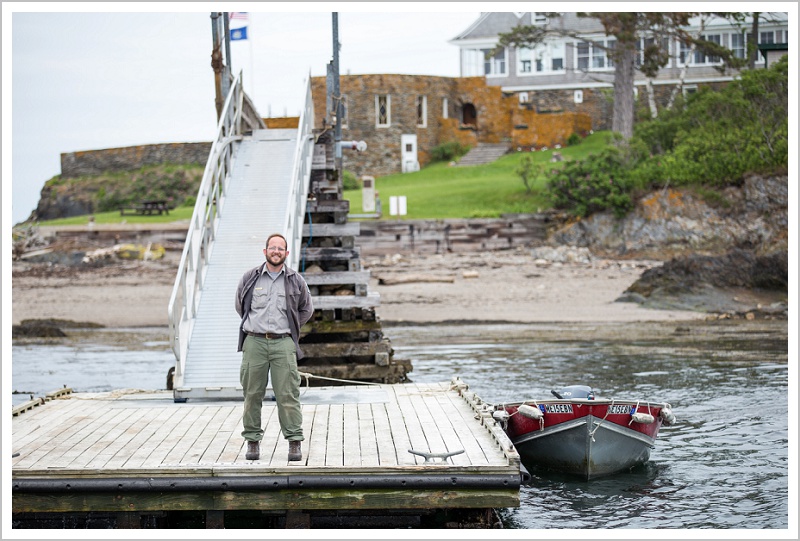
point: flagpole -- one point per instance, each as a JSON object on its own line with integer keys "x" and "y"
{"x": 252, "y": 71}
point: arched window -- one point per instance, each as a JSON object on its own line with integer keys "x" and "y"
{"x": 469, "y": 115}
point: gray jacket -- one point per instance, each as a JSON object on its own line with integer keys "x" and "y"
{"x": 299, "y": 308}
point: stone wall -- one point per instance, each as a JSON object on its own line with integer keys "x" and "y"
{"x": 95, "y": 162}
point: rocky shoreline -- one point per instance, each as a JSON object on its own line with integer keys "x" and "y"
{"x": 676, "y": 257}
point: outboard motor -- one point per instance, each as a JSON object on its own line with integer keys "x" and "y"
{"x": 574, "y": 391}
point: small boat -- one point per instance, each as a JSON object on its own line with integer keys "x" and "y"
{"x": 583, "y": 434}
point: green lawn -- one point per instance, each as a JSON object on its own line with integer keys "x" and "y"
{"x": 482, "y": 191}
{"x": 437, "y": 191}
{"x": 113, "y": 217}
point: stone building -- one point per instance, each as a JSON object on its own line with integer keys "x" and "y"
{"x": 403, "y": 117}
{"x": 518, "y": 97}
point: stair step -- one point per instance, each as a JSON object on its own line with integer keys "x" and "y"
{"x": 483, "y": 153}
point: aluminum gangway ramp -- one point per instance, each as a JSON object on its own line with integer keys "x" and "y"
{"x": 256, "y": 204}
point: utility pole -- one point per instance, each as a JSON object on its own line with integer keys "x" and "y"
{"x": 220, "y": 32}
{"x": 337, "y": 98}
{"x": 216, "y": 62}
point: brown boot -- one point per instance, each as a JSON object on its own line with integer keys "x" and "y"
{"x": 253, "y": 452}
{"x": 294, "y": 451}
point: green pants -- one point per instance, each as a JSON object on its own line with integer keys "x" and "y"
{"x": 262, "y": 358}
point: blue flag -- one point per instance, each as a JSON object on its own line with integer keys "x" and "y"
{"x": 238, "y": 33}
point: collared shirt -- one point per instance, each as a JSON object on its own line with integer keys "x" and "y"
{"x": 268, "y": 309}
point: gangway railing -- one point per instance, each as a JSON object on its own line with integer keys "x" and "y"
{"x": 298, "y": 194}
{"x": 238, "y": 117}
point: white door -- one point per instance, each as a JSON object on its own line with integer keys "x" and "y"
{"x": 408, "y": 153}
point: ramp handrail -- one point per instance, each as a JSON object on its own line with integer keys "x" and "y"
{"x": 200, "y": 237}
{"x": 238, "y": 115}
{"x": 301, "y": 171}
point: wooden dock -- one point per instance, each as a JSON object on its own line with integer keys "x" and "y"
{"x": 139, "y": 459}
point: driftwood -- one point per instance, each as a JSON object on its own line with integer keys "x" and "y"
{"x": 412, "y": 278}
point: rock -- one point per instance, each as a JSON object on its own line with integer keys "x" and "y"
{"x": 562, "y": 254}
{"x": 412, "y": 278}
{"x": 711, "y": 283}
{"x": 470, "y": 274}
{"x": 47, "y": 328}
{"x": 671, "y": 222}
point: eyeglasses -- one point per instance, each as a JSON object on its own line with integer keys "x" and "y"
{"x": 276, "y": 249}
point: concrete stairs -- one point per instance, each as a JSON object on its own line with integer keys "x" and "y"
{"x": 483, "y": 153}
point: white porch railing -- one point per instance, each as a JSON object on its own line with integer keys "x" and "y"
{"x": 238, "y": 116}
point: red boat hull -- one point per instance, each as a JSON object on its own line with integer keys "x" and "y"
{"x": 588, "y": 438}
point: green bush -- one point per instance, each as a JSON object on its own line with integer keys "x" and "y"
{"x": 448, "y": 151}
{"x": 718, "y": 136}
{"x": 573, "y": 140}
{"x": 349, "y": 181}
{"x": 597, "y": 183}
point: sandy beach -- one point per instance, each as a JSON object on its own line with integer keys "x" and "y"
{"x": 475, "y": 287}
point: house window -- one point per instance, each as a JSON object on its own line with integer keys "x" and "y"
{"x": 524, "y": 60}
{"x": 737, "y": 46}
{"x": 683, "y": 55}
{"x": 557, "y": 56}
{"x": 422, "y": 111}
{"x": 540, "y": 18}
{"x": 701, "y": 58}
{"x": 545, "y": 58}
{"x": 383, "y": 110}
{"x": 496, "y": 64}
{"x": 598, "y": 58}
{"x": 641, "y": 47}
{"x": 444, "y": 108}
{"x": 593, "y": 56}
{"x": 583, "y": 55}
{"x": 479, "y": 62}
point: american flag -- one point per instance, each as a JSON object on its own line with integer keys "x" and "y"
{"x": 238, "y": 15}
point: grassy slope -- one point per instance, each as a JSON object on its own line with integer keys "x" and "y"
{"x": 441, "y": 191}
{"x": 437, "y": 191}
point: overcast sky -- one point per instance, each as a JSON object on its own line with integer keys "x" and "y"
{"x": 92, "y": 80}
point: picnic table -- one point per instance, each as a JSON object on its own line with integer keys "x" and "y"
{"x": 150, "y": 207}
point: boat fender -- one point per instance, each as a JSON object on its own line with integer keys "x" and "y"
{"x": 667, "y": 416}
{"x": 644, "y": 418}
{"x": 501, "y": 416}
{"x": 530, "y": 412}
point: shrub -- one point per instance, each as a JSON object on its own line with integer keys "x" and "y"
{"x": 594, "y": 184}
{"x": 716, "y": 137}
{"x": 349, "y": 181}
{"x": 529, "y": 171}
{"x": 573, "y": 139}
{"x": 448, "y": 151}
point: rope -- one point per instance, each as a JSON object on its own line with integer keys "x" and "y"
{"x": 510, "y": 415}
{"x": 634, "y": 411}
{"x": 308, "y": 376}
{"x": 608, "y": 408}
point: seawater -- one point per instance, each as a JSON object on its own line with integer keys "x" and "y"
{"x": 724, "y": 465}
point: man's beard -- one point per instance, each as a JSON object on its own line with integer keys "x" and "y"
{"x": 280, "y": 259}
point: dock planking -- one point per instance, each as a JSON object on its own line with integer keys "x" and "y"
{"x": 74, "y": 452}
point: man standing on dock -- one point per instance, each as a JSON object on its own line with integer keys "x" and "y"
{"x": 274, "y": 303}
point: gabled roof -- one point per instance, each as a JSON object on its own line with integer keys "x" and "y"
{"x": 490, "y": 24}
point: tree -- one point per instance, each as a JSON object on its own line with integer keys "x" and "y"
{"x": 648, "y": 33}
